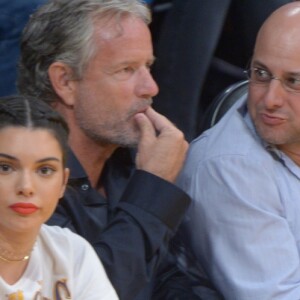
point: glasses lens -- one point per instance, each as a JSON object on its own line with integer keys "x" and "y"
{"x": 260, "y": 76}
{"x": 292, "y": 84}
{"x": 263, "y": 77}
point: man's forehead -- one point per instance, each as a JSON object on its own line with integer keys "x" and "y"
{"x": 112, "y": 28}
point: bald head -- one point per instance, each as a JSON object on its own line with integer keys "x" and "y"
{"x": 282, "y": 28}
{"x": 285, "y": 12}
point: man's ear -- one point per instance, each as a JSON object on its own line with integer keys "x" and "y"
{"x": 61, "y": 79}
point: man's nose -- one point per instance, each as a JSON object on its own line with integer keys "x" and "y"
{"x": 275, "y": 94}
{"x": 147, "y": 87}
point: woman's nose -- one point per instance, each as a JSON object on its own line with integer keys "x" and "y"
{"x": 25, "y": 185}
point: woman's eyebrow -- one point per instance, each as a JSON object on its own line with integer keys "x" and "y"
{"x": 47, "y": 159}
{"x": 8, "y": 156}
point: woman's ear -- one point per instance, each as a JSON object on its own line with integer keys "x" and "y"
{"x": 61, "y": 77}
{"x": 65, "y": 181}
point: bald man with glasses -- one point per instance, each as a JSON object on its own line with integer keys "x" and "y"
{"x": 243, "y": 227}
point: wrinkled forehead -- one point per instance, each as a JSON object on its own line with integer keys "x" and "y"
{"x": 111, "y": 27}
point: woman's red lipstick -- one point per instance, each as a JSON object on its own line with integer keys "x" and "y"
{"x": 24, "y": 208}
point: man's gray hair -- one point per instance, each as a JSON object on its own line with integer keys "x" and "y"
{"x": 62, "y": 30}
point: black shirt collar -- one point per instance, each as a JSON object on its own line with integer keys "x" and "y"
{"x": 121, "y": 157}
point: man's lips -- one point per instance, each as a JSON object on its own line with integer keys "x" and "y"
{"x": 272, "y": 120}
{"x": 142, "y": 110}
{"x": 24, "y": 208}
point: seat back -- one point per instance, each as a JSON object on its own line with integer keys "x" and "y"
{"x": 223, "y": 102}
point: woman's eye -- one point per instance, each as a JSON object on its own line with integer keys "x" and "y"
{"x": 5, "y": 168}
{"x": 46, "y": 171}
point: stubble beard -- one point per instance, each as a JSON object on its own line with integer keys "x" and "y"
{"x": 276, "y": 136}
{"x": 124, "y": 133}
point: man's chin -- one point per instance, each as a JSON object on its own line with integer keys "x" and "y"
{"x": 129, "y": 141}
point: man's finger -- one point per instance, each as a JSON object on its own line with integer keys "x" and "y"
{"x": 159, "y": 121}
{"x": 145, "y": 125}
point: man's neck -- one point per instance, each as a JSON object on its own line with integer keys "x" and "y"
{"x": 92, "y": 156}
{"x": 293, "y": 152}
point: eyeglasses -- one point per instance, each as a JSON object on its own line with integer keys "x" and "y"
{"x": 262, "y": 77}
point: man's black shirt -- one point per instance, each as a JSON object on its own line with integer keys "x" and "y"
{"x": 129, "y": 228}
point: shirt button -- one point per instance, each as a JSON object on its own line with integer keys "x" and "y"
{"x": 85, "y": 187}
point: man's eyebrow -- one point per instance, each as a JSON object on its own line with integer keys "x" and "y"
{"x": 296, "y": 74}
{"x": 153, "y": 59}
{"x": 134, "y": 61}
{"x": 259, "y": 64}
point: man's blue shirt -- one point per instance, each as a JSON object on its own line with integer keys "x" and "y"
{"x": 244, "y": 223}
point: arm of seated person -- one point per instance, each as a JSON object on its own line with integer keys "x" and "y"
{"x": 241, "y": 230}
{"x": 133, "y": 244}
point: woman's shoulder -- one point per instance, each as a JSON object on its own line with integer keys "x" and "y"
{"x": 60, "y": 237}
